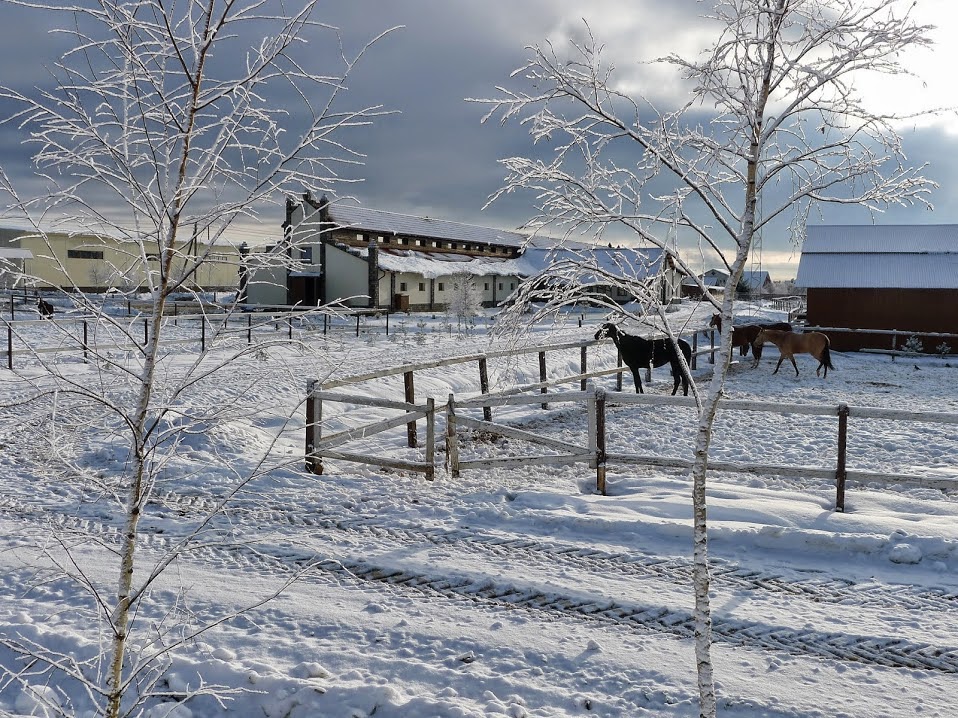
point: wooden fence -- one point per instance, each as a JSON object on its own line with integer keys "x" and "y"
{"x": 895, "y": 335}
{"x": 598, "y": 456}
{"x": 75, "y": 331}
{"x": 592, "y": 449}
{"x": 317, "y": 393}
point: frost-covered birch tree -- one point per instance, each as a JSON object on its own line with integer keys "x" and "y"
{"x": 165, "y": 121}
{"x": 773, "y": 121}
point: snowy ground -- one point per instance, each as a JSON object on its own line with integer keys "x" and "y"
{"x": 516, "y": 592}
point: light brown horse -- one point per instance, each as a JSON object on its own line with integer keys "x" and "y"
{"x": 744, "y": 335}
{"x": 788, "y": 343}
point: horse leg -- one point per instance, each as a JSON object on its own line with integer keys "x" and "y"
{"x": 792, "y": 357}
{"x": 779, "y": 364}
{"x": 637, "y": 380}
{"x": 821, "y": 363}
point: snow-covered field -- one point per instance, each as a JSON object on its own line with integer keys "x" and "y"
{"x": 509, "y": 592}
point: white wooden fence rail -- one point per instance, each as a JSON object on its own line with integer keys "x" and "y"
{"x": 593, "y": 449}
{"x": 598, "y": 458}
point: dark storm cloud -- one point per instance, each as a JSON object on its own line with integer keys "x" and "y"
{"x": 434, "y": 157}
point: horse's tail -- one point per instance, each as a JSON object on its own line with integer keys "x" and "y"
{"x": 826, "y": 354}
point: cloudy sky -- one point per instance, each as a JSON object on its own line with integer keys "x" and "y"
{"x": 435, "y": 157}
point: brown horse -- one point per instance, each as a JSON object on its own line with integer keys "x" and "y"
{"x": 788, "y": 343}
{"x": 743, "y": 336}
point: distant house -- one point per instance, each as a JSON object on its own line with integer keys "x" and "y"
{"x": 369, "y": 258}
{"x": 12, "y": 262}
{"x": 714, "y": 280}
{"x": 95, "y": 262}
{"x": 902, "y": 277}
{"x": 757, "y": 283}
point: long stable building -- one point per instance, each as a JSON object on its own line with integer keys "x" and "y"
{"x": 372, "y": 258}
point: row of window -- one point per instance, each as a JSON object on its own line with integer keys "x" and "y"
{"x": 442, "y": 286}
{"x": 439, "y": 244}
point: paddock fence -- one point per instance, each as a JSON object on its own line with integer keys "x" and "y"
{"x": 592, "y": 449}
{"x": 600, "y": 457}
{"x": 899, "y": 339}
{"x": 75, "y": 334}
{"x": 318, "y": 392}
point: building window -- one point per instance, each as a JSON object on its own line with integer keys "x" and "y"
{"x": 500, "y": 285}
{"x": 442, "y": 286}
{"x": 84, "y": 254}
{"x": 486, "y": 286}
{"x": 402, "y": 286}
{"x": 422, "y": 287}
{"x": 306, "y": 254}
{"x": 512, "y": 285}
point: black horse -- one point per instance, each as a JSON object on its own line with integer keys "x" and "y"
{"x": 638, "y": 353}
{"x": 46, "y": 309}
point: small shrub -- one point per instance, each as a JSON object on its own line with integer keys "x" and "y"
{"x": 943, "y": 349}
{"x": 913, "y": 344}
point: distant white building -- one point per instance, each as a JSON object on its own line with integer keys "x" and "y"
{"x": 341, "y": 252}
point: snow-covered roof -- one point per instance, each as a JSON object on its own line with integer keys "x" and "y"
{"x": 618, "y": 262}
{"x": 755, "y": 279}
{"x": 711, "y": 278}
{"x": 432, "y": 265}
{"x": 637, "y": 263}
{"x": 379, "y": 221}
{"x": 12, "y": 253}
{"x": 880, "y": 257}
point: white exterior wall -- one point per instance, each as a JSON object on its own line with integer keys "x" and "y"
{"x": 412, "y": 290}
{"x": 267, "y": 285}
{"x": 347, "y": 276}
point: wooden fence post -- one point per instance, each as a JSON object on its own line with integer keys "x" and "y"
{"x": 695, "y": 349}
{"x": 430, "y": 438}
{"x": 325, "y": 323}
{"x": 840, "y": 472}
{"x": 357, "y": 324}
{"x": 146, "y": 331}
{"x": 387, "y": 324}
{"x": 203, "y": 333}
{"x": 583, "y": 366}
{"x": 712, "y": 343}
{"x": 484, "y": 387}
{"x": 314, "y": 416}
{"x": 600, "y": 455}
{"x": 249, "y": 328}
{"x": 9, "y": 346}
{"x": 411, "y": 439}
{"x": 452, "y": 439}
{"x": 85, "y": 342}
{"x": 542, "y": 377}
{"x": 290, "y": 321}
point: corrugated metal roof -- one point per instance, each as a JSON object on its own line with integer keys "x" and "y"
{"x": 900, "y": 256}
{"x": 383, "y": 222}
{"x": 880, "y": 238}
{"x": 882, "y": 270}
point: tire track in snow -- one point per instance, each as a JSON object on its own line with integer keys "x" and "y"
{"x": 829, "y": 590}
{"x": 871, "y": 650}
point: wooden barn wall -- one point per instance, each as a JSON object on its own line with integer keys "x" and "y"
{"x": 909, "y": 310}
